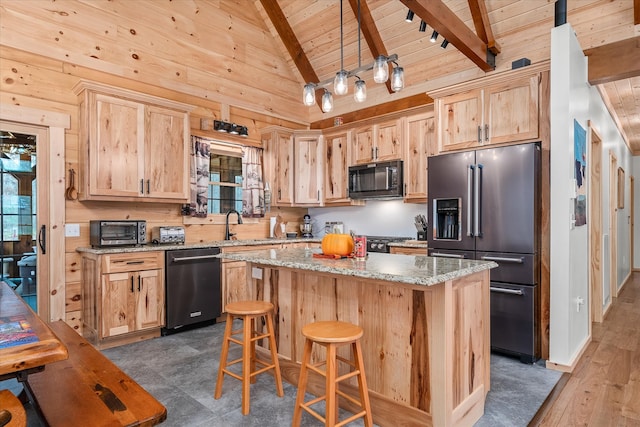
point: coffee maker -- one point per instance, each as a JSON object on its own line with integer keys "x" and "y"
{"x": 306, "y": 227}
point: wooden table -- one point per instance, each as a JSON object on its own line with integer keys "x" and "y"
{"x": 17, "y": 361}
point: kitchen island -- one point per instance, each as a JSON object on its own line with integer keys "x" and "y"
{"x": 426, "y": 326}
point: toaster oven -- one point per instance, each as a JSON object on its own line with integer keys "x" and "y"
{"x": 117, "y": 233}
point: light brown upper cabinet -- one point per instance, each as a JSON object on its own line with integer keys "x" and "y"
{"x": 278, "y": 164}
{"x": 308, "y": 168}
{"x": 499, "y": 113}
{"x": 336, "y": 167}
{"x": 134, "y": 147}
{"x": 420, "y": 144}
{"x": 293, "y": 164}
{"x": 378, "y": 142}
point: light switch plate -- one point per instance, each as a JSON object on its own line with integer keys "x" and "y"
{"x": 72, "y": 230}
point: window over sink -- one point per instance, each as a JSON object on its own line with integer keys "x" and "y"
{"x": 225, "y": 181}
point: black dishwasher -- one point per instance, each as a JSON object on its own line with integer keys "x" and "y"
{"x": 193, "y": 288}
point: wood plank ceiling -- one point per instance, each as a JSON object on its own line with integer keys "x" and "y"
{"x": 310, "y": 32}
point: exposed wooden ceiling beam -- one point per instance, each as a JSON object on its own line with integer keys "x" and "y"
{"x": 452, "y": 28}
{"x": 614, "y": 61}
{"x": 370, "y": 33}
{"x": 292, "y": 44}
{"x": 636, "y": 12}
{"x": 483, "y": 25}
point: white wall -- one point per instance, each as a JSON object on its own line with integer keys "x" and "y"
{"x": 636, "y": 210}
{"x": 376, "y": 218}
{"x": 573, "y": 98}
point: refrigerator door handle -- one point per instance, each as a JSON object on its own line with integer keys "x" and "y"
{"x": 477, "y": 202}
{"x": 443, "y": 255}
{"x": 469, "y": 199}
{"x": 503, "y": 259}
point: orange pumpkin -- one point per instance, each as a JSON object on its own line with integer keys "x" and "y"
{"x": 337, "y": 244}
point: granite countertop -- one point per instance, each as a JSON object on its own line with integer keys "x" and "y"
{"x": 409, "y": 244}
{"x": 212, "y": 244}
{"x": 415, "y": 270}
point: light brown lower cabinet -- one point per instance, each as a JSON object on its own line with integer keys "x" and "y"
{"x": 123, "y": 297}
{"x": 234, "y": 273}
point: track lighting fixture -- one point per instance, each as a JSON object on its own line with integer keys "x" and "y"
{"x": 423, "y": 27}
{"x": 380, "y": 69}
{"x": 230, "y": 128}
{"x": 444, "y": 44}
{"x": 434, "y": 36}
{"x": 409, "y": 17}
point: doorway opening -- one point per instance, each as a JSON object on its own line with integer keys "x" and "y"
{"x": 23, "y": 211}
{"x": 20, "y": 147}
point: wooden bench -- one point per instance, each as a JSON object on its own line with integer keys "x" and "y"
{"x": 87, "y": 389}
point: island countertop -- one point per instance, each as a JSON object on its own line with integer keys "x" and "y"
{"x": 409, "y": 269}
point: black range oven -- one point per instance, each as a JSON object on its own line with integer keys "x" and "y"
{"x": 381, "y": 243}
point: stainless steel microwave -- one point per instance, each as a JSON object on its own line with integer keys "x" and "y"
{"x": 383, "y": 180}
{"x": 117, "y": 233}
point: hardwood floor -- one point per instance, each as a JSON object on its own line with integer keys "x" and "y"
{"x": 604, "y": 389}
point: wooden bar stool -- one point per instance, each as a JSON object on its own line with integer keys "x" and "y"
{"x": 332, "y": 334}
{"x": 12, "y": 413}
{"x": 248, "y": 311}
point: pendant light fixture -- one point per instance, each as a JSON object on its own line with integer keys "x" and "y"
{"x": 360, "y": 90}
{"x": 340, "y": 84}
{"x": 380, "y": 69}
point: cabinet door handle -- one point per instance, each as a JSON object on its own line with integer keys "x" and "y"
{"x": 131, "y": 284}
{"x": 148, "y": 186}
{"x": 486, "y": 132}
{"x": 479, "y": 134}
{"x": 134, "y": 262}
{"x": 139, "y": 280}
{"x": 142, "y": 186}
{"x": 376, "y": 153}
{"x": 372, "y": 153}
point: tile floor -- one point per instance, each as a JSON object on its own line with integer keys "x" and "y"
{"x": 180, "y": 371}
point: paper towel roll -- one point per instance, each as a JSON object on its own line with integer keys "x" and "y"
{"x": 272, "y": 225}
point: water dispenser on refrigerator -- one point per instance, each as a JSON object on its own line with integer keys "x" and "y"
{"x": 446, "y": 219}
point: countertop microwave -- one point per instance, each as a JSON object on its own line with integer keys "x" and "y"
{"x": 382, "y": 180}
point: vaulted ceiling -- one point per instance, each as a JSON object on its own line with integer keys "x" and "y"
{"x": 480, "y": 33}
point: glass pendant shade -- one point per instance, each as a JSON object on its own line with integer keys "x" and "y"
{"x": 309, "y": 94}
{"x": 397, "y": 79}
{"x": 380, "y": 69}
{"x": 327, "y": 102}
{"x": 360, "y": 92}
{"x": 340, "y": 84}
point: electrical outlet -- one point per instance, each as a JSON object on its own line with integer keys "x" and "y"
{"x": 72, "y": 230}
{"x": 256, "y": 273}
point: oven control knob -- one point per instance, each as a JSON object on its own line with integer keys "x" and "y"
{"x": 380, "y": 245}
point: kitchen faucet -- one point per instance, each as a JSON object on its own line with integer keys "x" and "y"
{"x": 227, "y": 235}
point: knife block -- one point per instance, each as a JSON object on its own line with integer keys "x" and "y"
{"x": 422, "y": 235}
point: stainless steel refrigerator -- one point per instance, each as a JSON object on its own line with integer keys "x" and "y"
{"x": 484, "y": 204}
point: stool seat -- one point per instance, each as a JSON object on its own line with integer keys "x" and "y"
{"x": 329, "y": 331}
{"x": 249, "y": 312}
{"x": 332, "y": 334}
{"x": 243, "y": 308}
{"x": 12, "y": 413}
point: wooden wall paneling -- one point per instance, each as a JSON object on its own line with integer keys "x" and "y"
{"x": 545, "y": 212}
{"x": 73, "y": 266}
{"x": 74, "y": 319}
{"x": 73, "y": 297}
